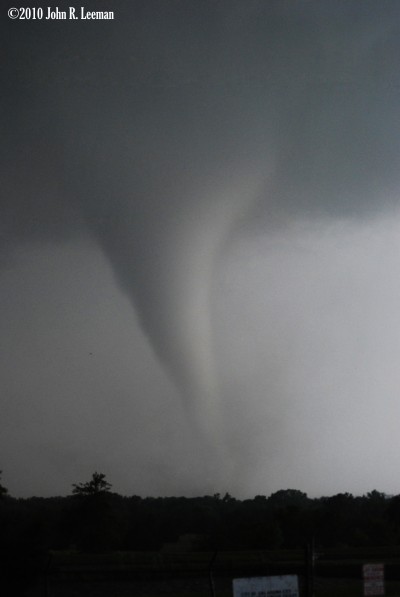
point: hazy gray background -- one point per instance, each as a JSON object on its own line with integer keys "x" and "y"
{"x": 199, "y": 281}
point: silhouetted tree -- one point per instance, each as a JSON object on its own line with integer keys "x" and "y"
{"x": 3, "y": 490}
{"x": 94, "y": 519}
{"x": 96, "y": 485}
{"x": 288, "y": 497}
{"x": 392, "y": 515}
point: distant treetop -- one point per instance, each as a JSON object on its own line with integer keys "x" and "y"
{"x": 3, "y": 490}
{"x": 96, "y": 485}
{"x": 288, "y": 497}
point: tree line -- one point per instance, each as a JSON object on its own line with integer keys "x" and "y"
{"x": 93, "y": 518}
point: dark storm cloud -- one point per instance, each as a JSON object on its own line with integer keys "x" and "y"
{"x": 165, "y": 133}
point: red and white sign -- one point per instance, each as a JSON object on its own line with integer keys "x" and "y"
{"x": 374, "y": 581}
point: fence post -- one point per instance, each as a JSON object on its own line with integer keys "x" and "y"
{"x": 210, "y": 573}
{"x": 310, "y": 560}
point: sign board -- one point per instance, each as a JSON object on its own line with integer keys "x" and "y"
{"x": 266, "y": 586}
{"x": 374, "y": 582}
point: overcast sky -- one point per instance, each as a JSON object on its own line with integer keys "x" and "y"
{"x": 200, "y": 242}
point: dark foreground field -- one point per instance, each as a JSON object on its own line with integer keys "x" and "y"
{"x": 157, "y": 574}
{"x": 324, "y": 587}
